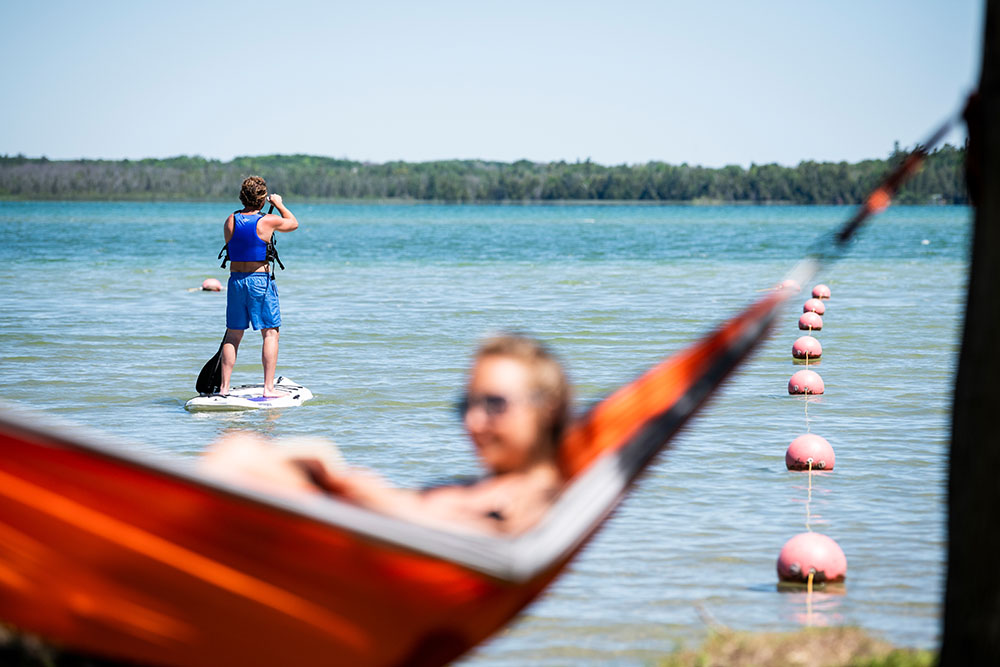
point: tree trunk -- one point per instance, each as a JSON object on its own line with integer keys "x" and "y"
{"x": 972, "y": 596}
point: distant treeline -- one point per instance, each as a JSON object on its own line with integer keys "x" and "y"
{"x": 320, "y": 178}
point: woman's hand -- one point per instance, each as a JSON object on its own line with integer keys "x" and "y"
{"x": 297, "y": 465}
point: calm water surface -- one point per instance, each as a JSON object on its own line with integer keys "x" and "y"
{"x": 383, "y": 304}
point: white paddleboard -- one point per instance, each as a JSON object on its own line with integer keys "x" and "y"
{"x": 251, "y": 397}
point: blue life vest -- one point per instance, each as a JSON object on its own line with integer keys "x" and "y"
{"x": 244, "y": 244}
{"x": 248, "y": 245}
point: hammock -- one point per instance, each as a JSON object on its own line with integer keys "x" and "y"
{"x": 125, "y": 556}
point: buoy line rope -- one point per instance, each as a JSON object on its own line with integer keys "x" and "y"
{"x": 807, "y": 415}
{"x": 809, "y": 581}
{"x": 806, "y": 401}
{"x": 809, "y": 497}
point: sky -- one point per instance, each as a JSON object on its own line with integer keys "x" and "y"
{"x": 709, "y": 82}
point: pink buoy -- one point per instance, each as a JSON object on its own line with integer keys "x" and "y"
{"x": 805, "y": 382}
{"x": 806, "y": 347}
{"x": 809, "y": 447}
{"x": 821, "y": 292}
{"x": 810, "y": 322}
{"x": 211, "y": 285}
{"x": 812, "y": 553}
{"x": 814, "y": 306}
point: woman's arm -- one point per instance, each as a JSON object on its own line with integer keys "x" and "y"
{"x": 310, "y": 465}
{"x": 315, "y": 466}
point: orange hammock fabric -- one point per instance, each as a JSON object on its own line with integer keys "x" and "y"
{"x": 123, "y": 556}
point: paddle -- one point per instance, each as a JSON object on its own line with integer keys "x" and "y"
{"x": 210, "y": 378}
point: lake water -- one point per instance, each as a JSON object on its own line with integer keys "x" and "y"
{"x": 382, "y": 305}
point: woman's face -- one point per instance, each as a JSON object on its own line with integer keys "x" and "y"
{"x": 502, "y": 414}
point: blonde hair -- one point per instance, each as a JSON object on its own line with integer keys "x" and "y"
{"x": 548, "y": 377}
{"x": 253, "y": 192}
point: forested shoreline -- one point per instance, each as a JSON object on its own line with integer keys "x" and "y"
{"x": 329, "y": 179}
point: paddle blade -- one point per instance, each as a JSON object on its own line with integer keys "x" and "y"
{"x": 210, "y": 377}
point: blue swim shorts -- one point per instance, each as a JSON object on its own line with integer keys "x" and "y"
{"x": 252, "y": 299}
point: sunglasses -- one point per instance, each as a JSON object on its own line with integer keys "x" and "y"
{"x": 493, "y": 404}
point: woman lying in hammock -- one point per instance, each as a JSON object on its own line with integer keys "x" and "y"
{"x": 515, "y": 410}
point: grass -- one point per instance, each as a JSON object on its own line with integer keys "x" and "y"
{"x": 810, "y": 647}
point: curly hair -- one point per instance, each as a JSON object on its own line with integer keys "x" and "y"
{"x": 549, "y": 378}
{"x": 253, "y": 192}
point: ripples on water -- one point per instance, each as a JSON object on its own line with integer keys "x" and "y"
{"x": 383, "y": 304}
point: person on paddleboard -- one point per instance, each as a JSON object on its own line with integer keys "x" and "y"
{"x": 252, "y": 296}
{"x": 515, "y": 410}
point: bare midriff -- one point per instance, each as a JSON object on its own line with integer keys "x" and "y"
{"x": 248, "y": 267}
